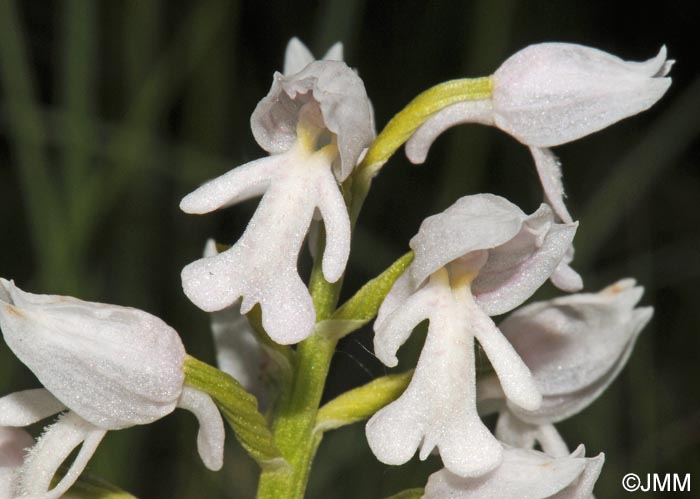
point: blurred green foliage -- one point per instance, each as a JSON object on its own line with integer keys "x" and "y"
{"x": 111, "y": 111}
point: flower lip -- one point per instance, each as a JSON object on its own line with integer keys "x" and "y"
{"x": 344, "y": 106}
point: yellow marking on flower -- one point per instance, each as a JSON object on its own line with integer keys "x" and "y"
{"x": 12, "y": 310}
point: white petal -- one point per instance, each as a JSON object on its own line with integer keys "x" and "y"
{"x": 549, "y": 170}
{"x": 337, "y": 224}
{"x": 551, "y": 441}
{"x": 516, "y": 380}
{"x": 582, "y": 488}
{"x": 210, "y": 439}
{"x": 262, "y": 265}
{"x": 523, "y": 474}
{"x": 343, "y": 102}
{"x": 417, "y": 146}
{"x": 114, "y": 366}
{"x": 438, "y": 409}
{"x": 334, "y": 53}
{"x": 28, "y": 407}
{"x": 296, "y": 56}
{"x": 656, "y": 66}
{"x": 585, "y": 332}
{"x": 14, "y": 443}
{"x": 52, "y": 449}
{"x": 392, "y": 332}
{"x": 241, "y": 183}
{"x": 592, "y": 335}
{"x": 566, "y": 278}
{"x": 516, "y": 269}
{"x": 557, "y": 408}
{"x": 477, "y": 222}
{"x": 551, "y": 93}
{"x": 403, "y": 288}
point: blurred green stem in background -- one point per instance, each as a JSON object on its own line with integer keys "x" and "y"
{"x": 26, "y": 130}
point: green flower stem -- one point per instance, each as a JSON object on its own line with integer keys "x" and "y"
{"x": 401, "y": 127}
{"x": 296, "y": 413}
{"x": 239, "y": 408}
{"x": 295, "y": 420}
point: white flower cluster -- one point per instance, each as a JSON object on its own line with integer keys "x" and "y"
{"x": 482, "y": 257}
{"x": 105, "y": 367}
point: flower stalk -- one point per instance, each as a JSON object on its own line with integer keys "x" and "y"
{"x": 296, "y": 413}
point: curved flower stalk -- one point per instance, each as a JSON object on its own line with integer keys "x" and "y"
{"x": 523, "y": 473}
{"x": 550, "y": 94}
{"x": 575, "y": 346}
{"x": 14, "y": 443}
{"x": 315, "y": 124}
{"x": 482, "y": 256}
{"x": 107, "y": 367}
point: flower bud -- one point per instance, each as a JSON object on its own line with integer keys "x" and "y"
{"x": 551, "y": 93}
{"x": 115, "y": 366}
{"x": 111, "y": 366}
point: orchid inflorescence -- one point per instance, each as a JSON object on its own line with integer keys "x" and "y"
{"x": 108, "y": 367}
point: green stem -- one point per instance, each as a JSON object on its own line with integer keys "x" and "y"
{"x": 296, "y": 418}
{"x": 297, "y": 410}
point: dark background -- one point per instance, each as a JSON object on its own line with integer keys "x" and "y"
{"x": 112, "y": 111}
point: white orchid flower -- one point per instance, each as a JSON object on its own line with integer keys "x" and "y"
{"x": 575, "y": 346}
{"x": 14, "y": 443}
{"x": 482, "y": 256}
{"x": 552, "y": 93}
{"x": 109, "y": 367}
{"x": 315, "y": 124}
{"x": 523, "y": 473}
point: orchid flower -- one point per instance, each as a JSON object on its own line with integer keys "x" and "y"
{"x": 14, "y": 443}
{"x": 550, "y": 94}
{"x": 574, "y": 346}
{"x": 103, "y": 367}
{"x": 482, "y": 256}
{"x": 315, "y": 124}
{"x": 523, "y": 473}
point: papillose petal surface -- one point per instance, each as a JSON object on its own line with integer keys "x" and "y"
{"x": 114, "y": 366}
{"x": 552, "y": 93}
